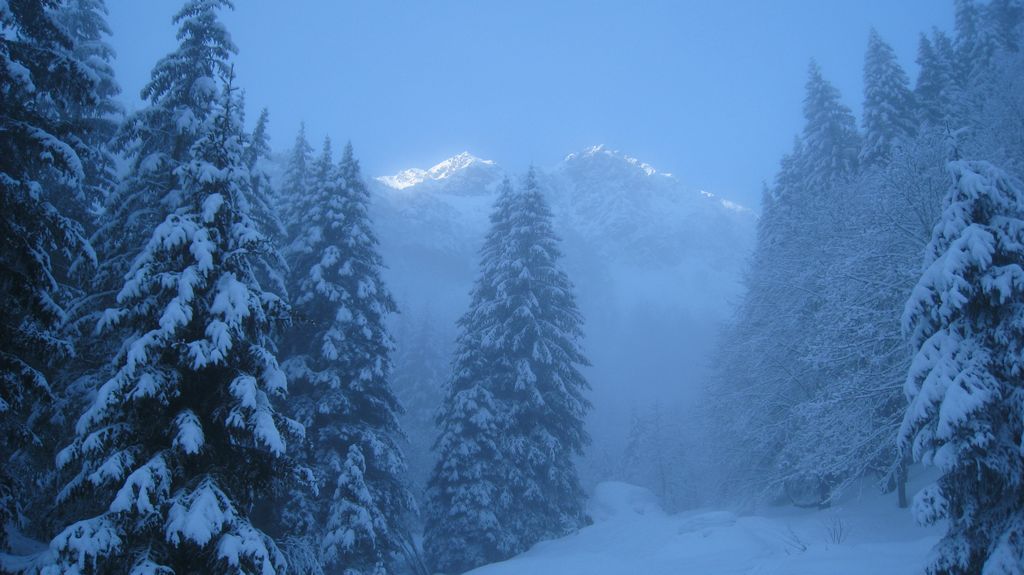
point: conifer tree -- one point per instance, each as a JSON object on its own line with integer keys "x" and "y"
{"x": 841, "y": 427}
{"x": 302, "y": 513}
{"x": 975, "y": 43}
{"x": 964, "y": 387}
{"x": 94, "y": 125}
{"x": 340, "y": 361}
{"x": 48, "y": 97}
{"x": 1007, "y": 18}
{"x": 158, "y": 139}
{"x": 770, "y": 366}
{"x": 538, "y": 349}
{"x": 888, "y": 117}
{"x": 89, "y": 125}
{"x": 266, "y": 203}
{"x": 257, "y": 154}
{"x": 297, "y": 175}
{"x": 156, "y": 142}
{"x": 259, "y": 142}
{"x": 467, "y": 495}
{"x": 831, "y": 144}
{"x": 513, "y": 414}
{"x": 935, "y": 88}
{"x": 96, "y": 122}
{"x": 183, "y": 439}
{"x": 756, "y": 382}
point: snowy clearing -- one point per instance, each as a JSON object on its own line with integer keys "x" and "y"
{"x": 632, "y": 535}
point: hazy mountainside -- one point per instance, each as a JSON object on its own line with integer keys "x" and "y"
{"x": 635, "y": 214}
{"x": 430, "y": 224}
{"x": 656, "y": 266}
{"x": 614, "y": 212}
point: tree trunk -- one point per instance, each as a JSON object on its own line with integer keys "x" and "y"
{"x": 901, "y": 483}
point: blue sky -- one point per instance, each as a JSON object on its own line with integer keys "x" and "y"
{"x": 710, "y": 91}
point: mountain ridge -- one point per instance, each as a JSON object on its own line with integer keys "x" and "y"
{"x": 490, "y": 171}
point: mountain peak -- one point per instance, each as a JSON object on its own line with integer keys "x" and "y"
{"x": 440, "y": 171}
{"x": 455, "y": 164}
{"x": 601, "y": 152}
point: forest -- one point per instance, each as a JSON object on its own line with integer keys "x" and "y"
{"x": 220, "y": 354}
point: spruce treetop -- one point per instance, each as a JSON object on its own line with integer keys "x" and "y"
{"x": 888, "y": 103}
{"x": 830, "y": 139}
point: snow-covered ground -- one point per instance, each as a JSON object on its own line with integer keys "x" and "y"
{"x": 865, "y": 534}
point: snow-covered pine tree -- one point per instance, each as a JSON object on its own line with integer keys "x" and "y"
{"x": 975, "y": 43}
{"x": 88, "y": 125}
{"x": 84, "y": 21}
{"x": 265, "y": 202}
{"x": 157, "y": 139}
{"x": 934, "y": 92}
{"x": 467, "y": 495}
{"x": 842, "y": 428}
{"x": 825, "y": 404}
{"x": 965, "y": 318}
{"x": 512, "y": 418}
{"x": 831, "y": 144}
{"x": 537, "y": 347}
{"x": 155, "y": 142}
{"x": 47, "y": 97}
{"x": 753, "y": 386}
{"x": 258, "y": 147}
{"x": 302, "y": 514}
{"x": 768, "y": 364}
{"x": 297, "y": 176}
{"x": 183, "y": 439}
{"x": 888, "y": 116}
{"x": 257, "y": 154}
{"x": 811, "y": 199}
{"x": 1007, "y": 17}
{"x": 94, "y": 126}
{"x": 340, "y": 362}
{"x": 995, "y": 99}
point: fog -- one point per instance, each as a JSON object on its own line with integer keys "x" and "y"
{"x": 381, "y": 287}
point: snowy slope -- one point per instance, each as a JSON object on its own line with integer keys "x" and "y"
{"x": 632, "y": 535}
